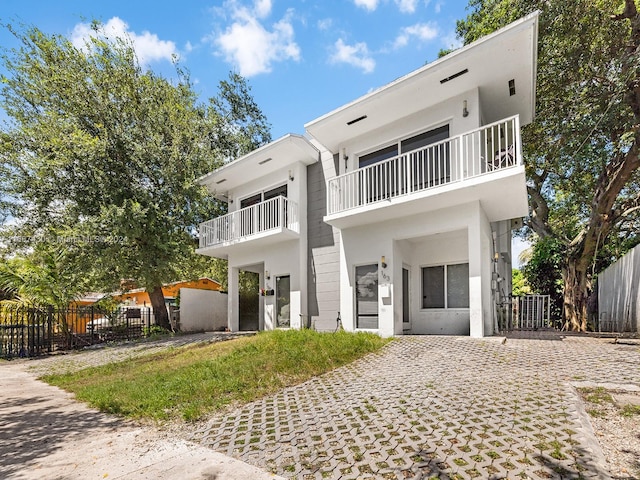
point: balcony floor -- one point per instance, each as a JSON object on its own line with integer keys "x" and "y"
{"x": 502, "y": 195}
{"x": 250, "y": 242}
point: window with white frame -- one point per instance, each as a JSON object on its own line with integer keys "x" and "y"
{"x": 264, "y": 215}
{"x": 445, "y": 286}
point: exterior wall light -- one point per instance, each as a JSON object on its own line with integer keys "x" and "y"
{"x": 345, "y": 157}
{"x": 291, "y": 175}
{"x": 383, "y": 262}
{"x": 465, "y": 112}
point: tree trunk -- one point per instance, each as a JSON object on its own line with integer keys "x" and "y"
{"x": 576, "y": 295}
{"x": 159, "y": 308}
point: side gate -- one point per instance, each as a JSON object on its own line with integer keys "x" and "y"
{"x": 529, "y": 312}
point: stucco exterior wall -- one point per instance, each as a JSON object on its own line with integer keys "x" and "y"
{"x": 283, "y": 258}
{"x": 458, "y": 234}
{"x": 202, "y": 310}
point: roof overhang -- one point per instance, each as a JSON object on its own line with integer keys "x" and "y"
{"x": 271, "y": 157}
{"x": 488, "y": 64}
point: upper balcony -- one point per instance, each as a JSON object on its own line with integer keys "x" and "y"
{"x": 483, "y": 165}
{"x": 261, "y": 224}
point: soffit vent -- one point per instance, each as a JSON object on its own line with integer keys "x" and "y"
{"x": 356, "y": 120}
{"x": 262, "y": 162}
{"x": 455, "y": 75}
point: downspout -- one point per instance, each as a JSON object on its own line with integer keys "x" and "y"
{"x": 494, "y": 282}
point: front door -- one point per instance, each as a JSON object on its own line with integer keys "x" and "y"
{"x": 283, "y": 301}
{"x": 367, "y": 296}
{"x": 249, "y": 301}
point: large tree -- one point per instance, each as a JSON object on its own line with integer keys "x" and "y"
{"x": 582, "y": 151}
{"x": 101, "y": 157}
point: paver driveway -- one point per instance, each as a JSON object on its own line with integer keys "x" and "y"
{"x": 446, "y": 407}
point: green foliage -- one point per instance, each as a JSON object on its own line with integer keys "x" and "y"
{"x": 519, "y": 283}
{"x": 191, "y": 382}
{"x": 40, "y": 278}
{"x": 597, "y": 395}
{"x": 155, "y": 331}
{"x": 244, "y": 128}
{"x": 630, "y": 410}
{"x": 543, "y": 272}
{"x": 102, "y": 157}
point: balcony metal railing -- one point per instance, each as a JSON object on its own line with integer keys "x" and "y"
{"x": 478, "y": 152}
{"x": 269, "y": 215}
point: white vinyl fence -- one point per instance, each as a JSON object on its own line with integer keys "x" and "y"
{"x": 619, "y": 295}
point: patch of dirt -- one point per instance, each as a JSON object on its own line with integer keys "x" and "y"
{"x": 615, "y": 417}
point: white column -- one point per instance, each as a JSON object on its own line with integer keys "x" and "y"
{"x": 476, "y": 296}
{"x": 233, "y": 313}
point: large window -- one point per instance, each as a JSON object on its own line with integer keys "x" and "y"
{"x": 419, "y": 163}
{"x": 445, "y": 286}
{"x": 429, "y": 166}
{"x": 263, "y": 217}
{"x": 367, "y": 296}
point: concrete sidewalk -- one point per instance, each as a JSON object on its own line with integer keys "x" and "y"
{"x": 46, "y": 434}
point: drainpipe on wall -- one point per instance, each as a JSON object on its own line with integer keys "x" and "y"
{"x": 494, "y": 282}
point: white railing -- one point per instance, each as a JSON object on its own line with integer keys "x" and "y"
{"x": 478, "y": 152}
{"x": 271, "y": 214}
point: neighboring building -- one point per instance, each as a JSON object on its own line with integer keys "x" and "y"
{"x": 139, "y": 296}
{"x": 394, "y": 211}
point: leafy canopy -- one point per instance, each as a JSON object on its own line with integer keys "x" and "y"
{"x": 100, "y": 157}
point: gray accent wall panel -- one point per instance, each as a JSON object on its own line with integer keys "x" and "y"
{"x": 324, "y": 253}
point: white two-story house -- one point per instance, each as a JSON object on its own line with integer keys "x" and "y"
{"x": 394, "y": 212}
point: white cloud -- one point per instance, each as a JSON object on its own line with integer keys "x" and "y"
{"x": 370, "y": 5}
{"x": 149, "y": 48}
{"x": 263, "y": 8}
{"x": 325, "y": 24}
{"x": 438, "y": 7}
{"x": 356, "y": 55}
{"x": 407, "y": 6}
{"x": 250, "y": 46}
{"x": 422, "y": 32}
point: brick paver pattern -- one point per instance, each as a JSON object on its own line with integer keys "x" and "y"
{"x": 435, "y": 407}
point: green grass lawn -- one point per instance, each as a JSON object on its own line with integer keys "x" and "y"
{"x": 193, "y": 381}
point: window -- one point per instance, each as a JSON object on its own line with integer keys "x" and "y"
{"x": 424, "y": 165}
{"x": 378, "y": 156}
{"x": 283, "y": 301}
{"x": 445, "y": 286}
{"x": 429, "y": 166}
{"x": 262, "y": 196}
{"x": 367, "y": 296}
{"x": 263, "y": 217}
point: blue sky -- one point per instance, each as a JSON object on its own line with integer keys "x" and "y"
{"x": 302, "y": 58}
